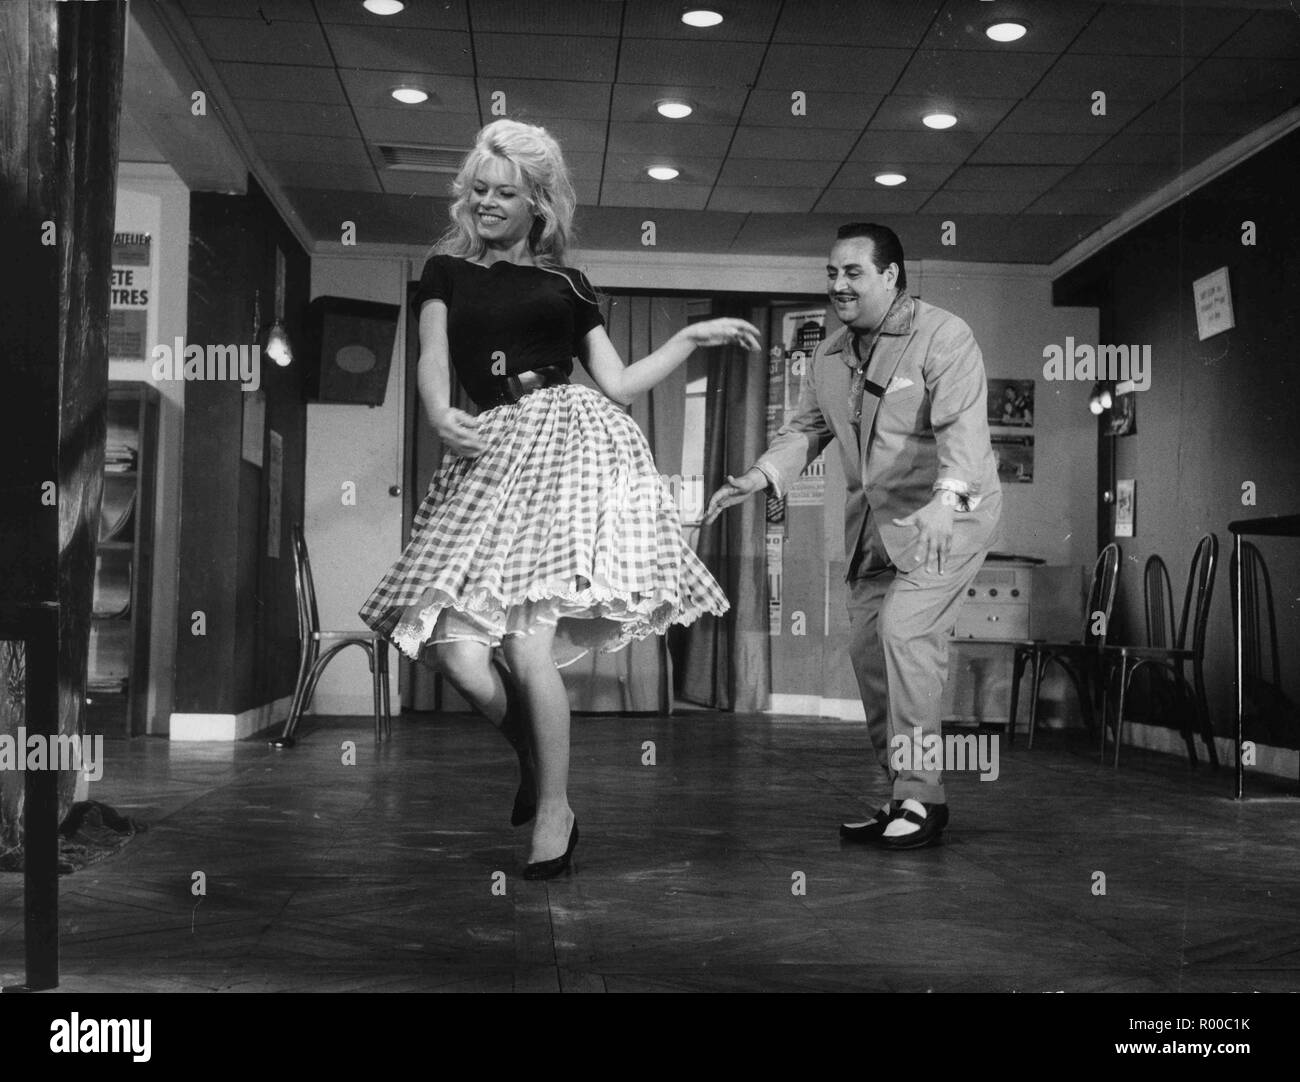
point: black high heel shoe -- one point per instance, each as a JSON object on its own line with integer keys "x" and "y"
{"x": 549, "y": 869}
{"x": 524, "y": 810}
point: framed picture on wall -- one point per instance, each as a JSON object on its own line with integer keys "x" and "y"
{"x": 1015, "y": 454}
{"x": 1125, "y": 509}
{"x": 1122, "y": 419}
{"x": 1011, "y": 402}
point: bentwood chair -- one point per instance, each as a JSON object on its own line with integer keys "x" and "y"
{"x": 1080, "y": 659}
{"x": 311, "y": 662}
{"x": 1188, "y": 646}
{"x": 1272, "y": 714}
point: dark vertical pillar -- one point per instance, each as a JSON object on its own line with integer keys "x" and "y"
{"x": 61, "y": 70}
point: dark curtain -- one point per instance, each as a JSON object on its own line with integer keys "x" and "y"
{"x": 726, "y": 663}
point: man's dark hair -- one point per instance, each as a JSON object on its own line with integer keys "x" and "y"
{"x": 886, "y": 248}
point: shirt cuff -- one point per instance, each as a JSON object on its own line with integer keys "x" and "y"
{"x": 773, "y": 478}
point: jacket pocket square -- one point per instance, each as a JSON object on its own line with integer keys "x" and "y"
{"x": 898, "y": 383}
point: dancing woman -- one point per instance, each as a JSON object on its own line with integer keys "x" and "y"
{"x": 548, "y": 527}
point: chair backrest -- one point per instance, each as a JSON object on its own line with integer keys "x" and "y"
{"x": 304, "y": 587}
{"x": 1196, "y": 599}
{"x": 1158, "y": 597}
{"x": 1101, "y": 596}
{"x": 1259, "y": 623}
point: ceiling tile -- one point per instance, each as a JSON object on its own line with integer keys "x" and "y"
{"x": 1159, "y": 148}
{"x": 1273, "y": 81}
{"x": 1037, "y": 149}
{"x": 887, "y": 24}
{"x": 1072, "y": 115}
{"x": 838, "y": 68}
{"x": 1141, "y": 79}
{"x": 676, "y": 230}
{"x": 972, "y": 74}
{"x": 1176, "y": 114}
{"x": 573, "y": 17}
{"x": 1052, "y": 25}
{"x": 1018, "y": 178}
{"x": 822, "y": 109}
{"x": 1269, "y": 34}
{"x": 631, "y": 168}
{"x": 287, "y": 147}
{"x": 689, "y": 63}
{"x": 858, "y": 204}
{"x": 273, "y": 10}
{"x": 690, "y": 140}
{"x": 282, "y": 82}
{"x": 442, "y": 15}
{"x": 385, "y": 48}
{"x": 654, "y": 195}
{"x": 574, "y": 136}
{"x": 1082, "y": 202}
{"x": 1117, "y": 177}
{"x": 420, "y": 128}
{"x": 344, "y": 178}
{"x": 807, "y": 235}
{"x": 960, "y": 203}
{"x": 776, "y": 173}
{"x": 1147, "y": 30}
{"x": 929, "y": 176}
{"x": 901, "y": 113}
{"x": 543, "y": 56}
{"x": 663, "y": 20}
{"x": 296, "y": 116}
{"x": 544, "y": 100}
{"x": 257, "y": 43}
{"x": 413, "y": 182}
{"x": 916, "y": 146}
{"x": 764, "y": 200}
{"x": 373, "y": 89}
{"x": 794, "y": 142}
{"x": 380, "y": 219}
{"x": 712, "y": 104}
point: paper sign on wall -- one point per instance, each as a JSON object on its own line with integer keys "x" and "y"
{"x": 1213, "y": 304}
{"x": 129, "y": 297}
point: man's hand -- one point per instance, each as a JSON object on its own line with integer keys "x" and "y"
{"x": 934, "y": 521}
{"x": 736, "y": 489}
{"x": 459, "y": 431}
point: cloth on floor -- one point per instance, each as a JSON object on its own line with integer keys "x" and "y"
{"x": 92, "y": 832}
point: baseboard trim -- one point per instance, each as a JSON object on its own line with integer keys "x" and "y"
{"x": 229, "y": 727}
{"x": 1277, "y": 762}
{"x": 815, "y": 706}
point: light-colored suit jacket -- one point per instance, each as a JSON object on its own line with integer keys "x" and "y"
{"x": 929, "y": 430}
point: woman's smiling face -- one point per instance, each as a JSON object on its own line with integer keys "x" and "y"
{"x": 499, "y": 203}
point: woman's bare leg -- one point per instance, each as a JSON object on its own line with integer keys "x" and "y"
{"x": 530, "y": 660}
{"x": 469, "y": 667}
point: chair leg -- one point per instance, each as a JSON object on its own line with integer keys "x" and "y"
{"x": 1125, "y": 675}
{"x": 1017, "y": 670}
{"x": 382, "y": 647}
{"x": 376, "y": 695}
{"x": 1039, "y": 662}
{"x": 305, "y": 662}
{"x": 1203, "y": 711}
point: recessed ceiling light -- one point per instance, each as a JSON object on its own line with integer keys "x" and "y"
{"x": 1007, "y": 31}
{"x": 694, "y": 16}
{"x": 890, "y": 180}
{"x": 674, "y": 110}
{"x": 410, "y": 95}
{"x": 383, "y": 7}
{"x": 662, "y": 172}
{"x": 939, "y": 121}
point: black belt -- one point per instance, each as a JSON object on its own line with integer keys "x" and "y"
{"x": 507, "y": 390}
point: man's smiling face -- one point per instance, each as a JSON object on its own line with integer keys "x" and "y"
{"x": 861, "y": 293}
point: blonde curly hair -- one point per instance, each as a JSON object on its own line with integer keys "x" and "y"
{"x": 537, "y": 156}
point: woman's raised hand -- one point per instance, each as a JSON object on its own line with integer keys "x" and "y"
{"x": 459, "y": 431}
{"x": 725, "y": 332}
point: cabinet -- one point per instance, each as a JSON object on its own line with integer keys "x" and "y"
{"x": 117, "y": 681}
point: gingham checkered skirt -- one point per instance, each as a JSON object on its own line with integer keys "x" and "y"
{"x": 563, "y": 517}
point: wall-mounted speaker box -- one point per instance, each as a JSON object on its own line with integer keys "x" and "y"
{"x": 349, "y": 350}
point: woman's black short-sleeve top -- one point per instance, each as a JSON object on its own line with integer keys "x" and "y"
{"x": 527, "y": 317}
